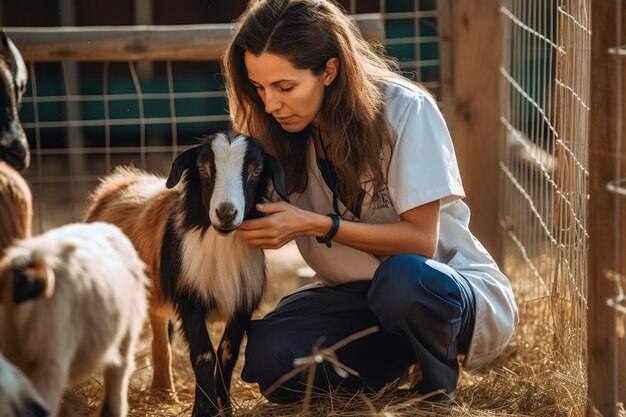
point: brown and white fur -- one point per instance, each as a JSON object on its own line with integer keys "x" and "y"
{"x": 74, "y": 302}
{"x": 13, "y": 79}
{"x": 16, "y": 206}
{"x": 18, "y": 398}
{"x": 200, "y": 268}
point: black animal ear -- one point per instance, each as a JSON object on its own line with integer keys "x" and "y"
{"x": 9, "y": 51}
{"x": 274, "y": 170}
{"x": 183, "y": 161}
{"x": 34, "y": 281}
{"x": 4, "y": 44}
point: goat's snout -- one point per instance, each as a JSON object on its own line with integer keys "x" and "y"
{"x": 18, "y": 149}
{"x": 16, "y": 152}
{"x": 226, "y": 213}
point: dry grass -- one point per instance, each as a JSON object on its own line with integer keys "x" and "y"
{"x": 528, "y": 379}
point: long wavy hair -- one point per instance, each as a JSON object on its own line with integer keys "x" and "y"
{"x": 308, "y": 33}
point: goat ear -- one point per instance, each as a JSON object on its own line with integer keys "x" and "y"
{"x": 18, "y": 67}
{"x": 274, "y": 170}
{"x": 183, "y": 161}
{"x": 4, "y": 44}
{"x": 35, "y": 280}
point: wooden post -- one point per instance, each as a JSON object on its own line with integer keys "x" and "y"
{"x": 446, "y": 61}
{"x": 607, "y": 350}
{"x": 477, "y": 48}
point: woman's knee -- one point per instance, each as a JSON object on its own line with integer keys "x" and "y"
{"x": 406, "y": 286}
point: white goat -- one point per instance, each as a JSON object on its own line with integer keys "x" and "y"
{"x": 74, "y": 302}
{"x": 16, "y": 206}
{"x": 18, "y": 398}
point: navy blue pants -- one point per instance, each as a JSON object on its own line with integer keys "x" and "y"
{"x": 425, "y": 310}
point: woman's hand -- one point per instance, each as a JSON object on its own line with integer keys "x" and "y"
{"x": 284, "y": 223}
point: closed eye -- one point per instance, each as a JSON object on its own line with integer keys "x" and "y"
{"x": 253, "y": 172}
{"x": 282, "y": 89}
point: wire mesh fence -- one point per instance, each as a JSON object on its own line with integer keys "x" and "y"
{"x": 81, "y": 130}
{"x": 544, "y": 114}
{"x": 84, "y": 118}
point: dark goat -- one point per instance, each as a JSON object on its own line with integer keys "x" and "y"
{"x": 201, "y": 269}
{"x": 13, "y": 142}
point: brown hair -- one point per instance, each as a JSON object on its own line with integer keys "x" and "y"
{"x": 308, "y": 33}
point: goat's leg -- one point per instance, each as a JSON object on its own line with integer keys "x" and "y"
{"x": 116, "y": 378}
{"x": 227, "y": 355}
{"x": 49, "y": 379}
{"x": 162, "y": 378}
{"x": 202, "y": 356}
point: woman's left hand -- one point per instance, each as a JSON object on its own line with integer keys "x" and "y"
{"x": 284, "y": 223}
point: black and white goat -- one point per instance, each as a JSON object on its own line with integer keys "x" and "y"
{"x": 13, "y": 76}
{"x": 200, "y": 268}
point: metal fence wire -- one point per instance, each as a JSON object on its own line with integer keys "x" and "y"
{"x": 544, "y": 114}
{"x": 84, "y": 118}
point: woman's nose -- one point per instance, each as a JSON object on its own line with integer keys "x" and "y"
{"x": 272, "y": 103}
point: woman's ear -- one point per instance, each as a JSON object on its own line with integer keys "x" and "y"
{"x": 331, "y": 71}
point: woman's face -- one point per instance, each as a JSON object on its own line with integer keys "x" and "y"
{"x": 292, "y": 96}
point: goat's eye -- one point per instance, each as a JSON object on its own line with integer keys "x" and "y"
{"x": 203, "y": 170}
{"x": 256, "y": 172}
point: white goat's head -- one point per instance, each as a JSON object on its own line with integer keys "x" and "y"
{"x": 13, "y": 76}
{"x": 227, "y": 174}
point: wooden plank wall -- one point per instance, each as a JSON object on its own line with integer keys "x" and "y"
{"x": 607, "y": 353}
{"x": 476, "y": 51}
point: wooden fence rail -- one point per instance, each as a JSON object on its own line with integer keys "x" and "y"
{"x": 205, "y": 42}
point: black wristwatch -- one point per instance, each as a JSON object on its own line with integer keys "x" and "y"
{"x": 328, "y": 237}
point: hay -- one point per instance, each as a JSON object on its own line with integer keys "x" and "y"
{"x": 530, "y": 378}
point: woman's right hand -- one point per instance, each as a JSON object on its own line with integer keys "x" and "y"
{"x": 283, "y": 223}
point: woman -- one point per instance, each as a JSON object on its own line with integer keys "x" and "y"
{"x": 375, "y": 209}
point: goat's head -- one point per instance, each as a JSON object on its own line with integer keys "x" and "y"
{"x": 231, "y": 173}
{"x": 13, "y": 76}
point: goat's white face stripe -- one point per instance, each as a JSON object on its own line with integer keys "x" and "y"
{"x": 229, "y": 159}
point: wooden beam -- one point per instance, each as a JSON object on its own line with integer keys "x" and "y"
{"x": 133, "y": 43}
{"x": 476, "y": 48}
{"x": 446, "y": 56}
{"x": 607, "y": 350}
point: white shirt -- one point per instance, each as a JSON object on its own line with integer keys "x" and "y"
{"x": 422, "y": 169}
